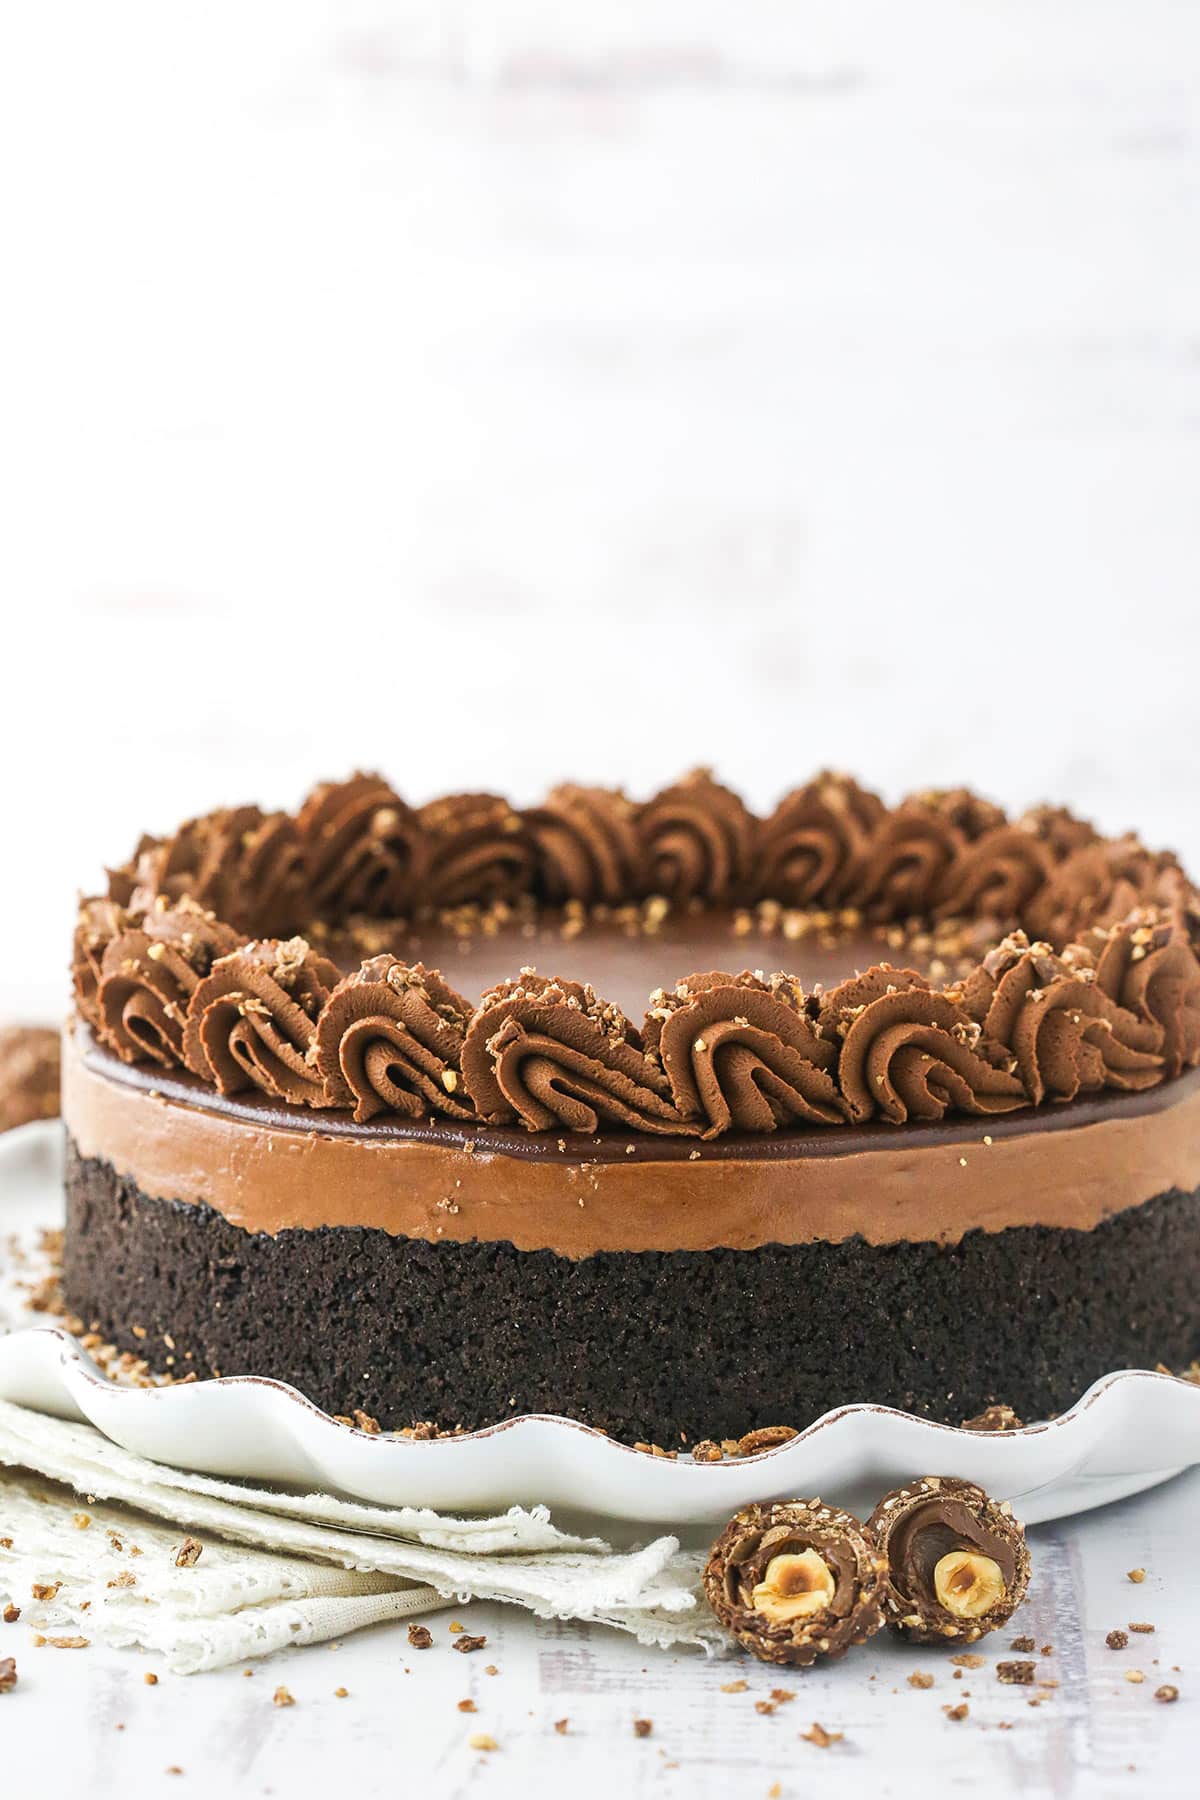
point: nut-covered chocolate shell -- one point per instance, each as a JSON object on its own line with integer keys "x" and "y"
{"x": 796, "y": 1581}
{"x": 957, "y": 1561}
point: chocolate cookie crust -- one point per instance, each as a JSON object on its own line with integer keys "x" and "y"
{"x": 647, "y": 1345}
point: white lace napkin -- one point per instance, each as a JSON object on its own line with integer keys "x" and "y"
{"x": 278, "y": 1569}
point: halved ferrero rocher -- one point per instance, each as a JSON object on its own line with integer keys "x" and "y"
{"x": 957, "y": 1561}
{"x": 795, "y": 1581}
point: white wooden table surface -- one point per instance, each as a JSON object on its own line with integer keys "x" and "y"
{"x": 88, "y": 1717}
{"x": 493, "y": 390}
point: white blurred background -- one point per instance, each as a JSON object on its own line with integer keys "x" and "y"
{"x": 493, "y": 391}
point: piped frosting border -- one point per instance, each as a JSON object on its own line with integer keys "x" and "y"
{"x": 203, "y": 955}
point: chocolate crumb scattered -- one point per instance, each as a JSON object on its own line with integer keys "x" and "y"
{"x": 766, "y": 1437}
{"x": 734, "y": 1687}
{"x": 643, "y": 1727}
{"x": 420, "y": 1637}
{"x": 1142, "y": 1627}
{"x": 561, "y": 1725}
{"x": 1116, "y": 1640}
{"x": 68, "y": 1643}
{"x": 45, "y": 1590}
{"x": 466, "y": 1706}
{"x": 1166, "y": 1693}
{"x": 920, "y": 1679}
{"x": 817, "y": 1734}
{"x": 1023, "y": 1643}
{"x": 968, "y": 1659}
{"x": 994, "y": 1418}
{"x": 467, "y": 1644}
{"x": 189, "y": 1553}
{"x": 8, "y": 1674}
{"x": 707, "y": 1452}
{"x": 957, "y": 1712}
{"x": 11, "y": 1614}
{"x": 281, "y": 1697}
{"x": 1016, "y": 1674}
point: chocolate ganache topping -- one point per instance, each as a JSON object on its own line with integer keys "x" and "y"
{"x": 697, "y": 840}
{"x": 149, "y": 973}
{"x": 362, "y": 848}
{"x": 795, "y": 1581}
{"x": 477, "y": 849}
{"x": 814, "y": 844}
{"x": 910, "y": 1053}
{"x": 1106, "y": 995}
{"x": 1065, "y": 1033}
{"x": 586, "y": 845}
{"x": 554, "y": 1057}
{"x": 252, "y": 1021}
{"x": 742, "y": 1054}
{"x": 390, "y": 1038}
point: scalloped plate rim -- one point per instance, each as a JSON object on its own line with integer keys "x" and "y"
{"x": 72, "y": 1352}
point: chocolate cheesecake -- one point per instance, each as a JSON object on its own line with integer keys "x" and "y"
{"x": 422, "y": 1111}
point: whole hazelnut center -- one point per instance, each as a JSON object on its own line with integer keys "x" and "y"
{"x": 967, "y": 1583}
{"x": 795, "y": 1585}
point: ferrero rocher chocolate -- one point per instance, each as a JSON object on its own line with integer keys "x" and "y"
{"x": 28, "y": 1075}
{"x": 957, "y": 1561}
{"x": 796, "y": 1581}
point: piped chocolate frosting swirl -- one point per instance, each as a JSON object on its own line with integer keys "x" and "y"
{"x": 742, "y": 1054}
{"x": 362, "y": 848}
{"x": 909, "y": 1053}
{"x": 252, "y": 1021}
{"x": 552, "y": 1056}
{"x": 477, "y": 849}
{"x": 813, "y": 846}
{"x": 97, "y": 923}
{"x": 697, "y": 841}
{"x": 148, "y": 975}
{"x": 586, "y": 846}
{"x": 390, "y": 1038}
{"x": 1065, "y": 1034}
{"x": 244, "y": 865}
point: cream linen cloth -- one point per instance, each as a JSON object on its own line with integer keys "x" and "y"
{"x": 279, "y": 1569}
